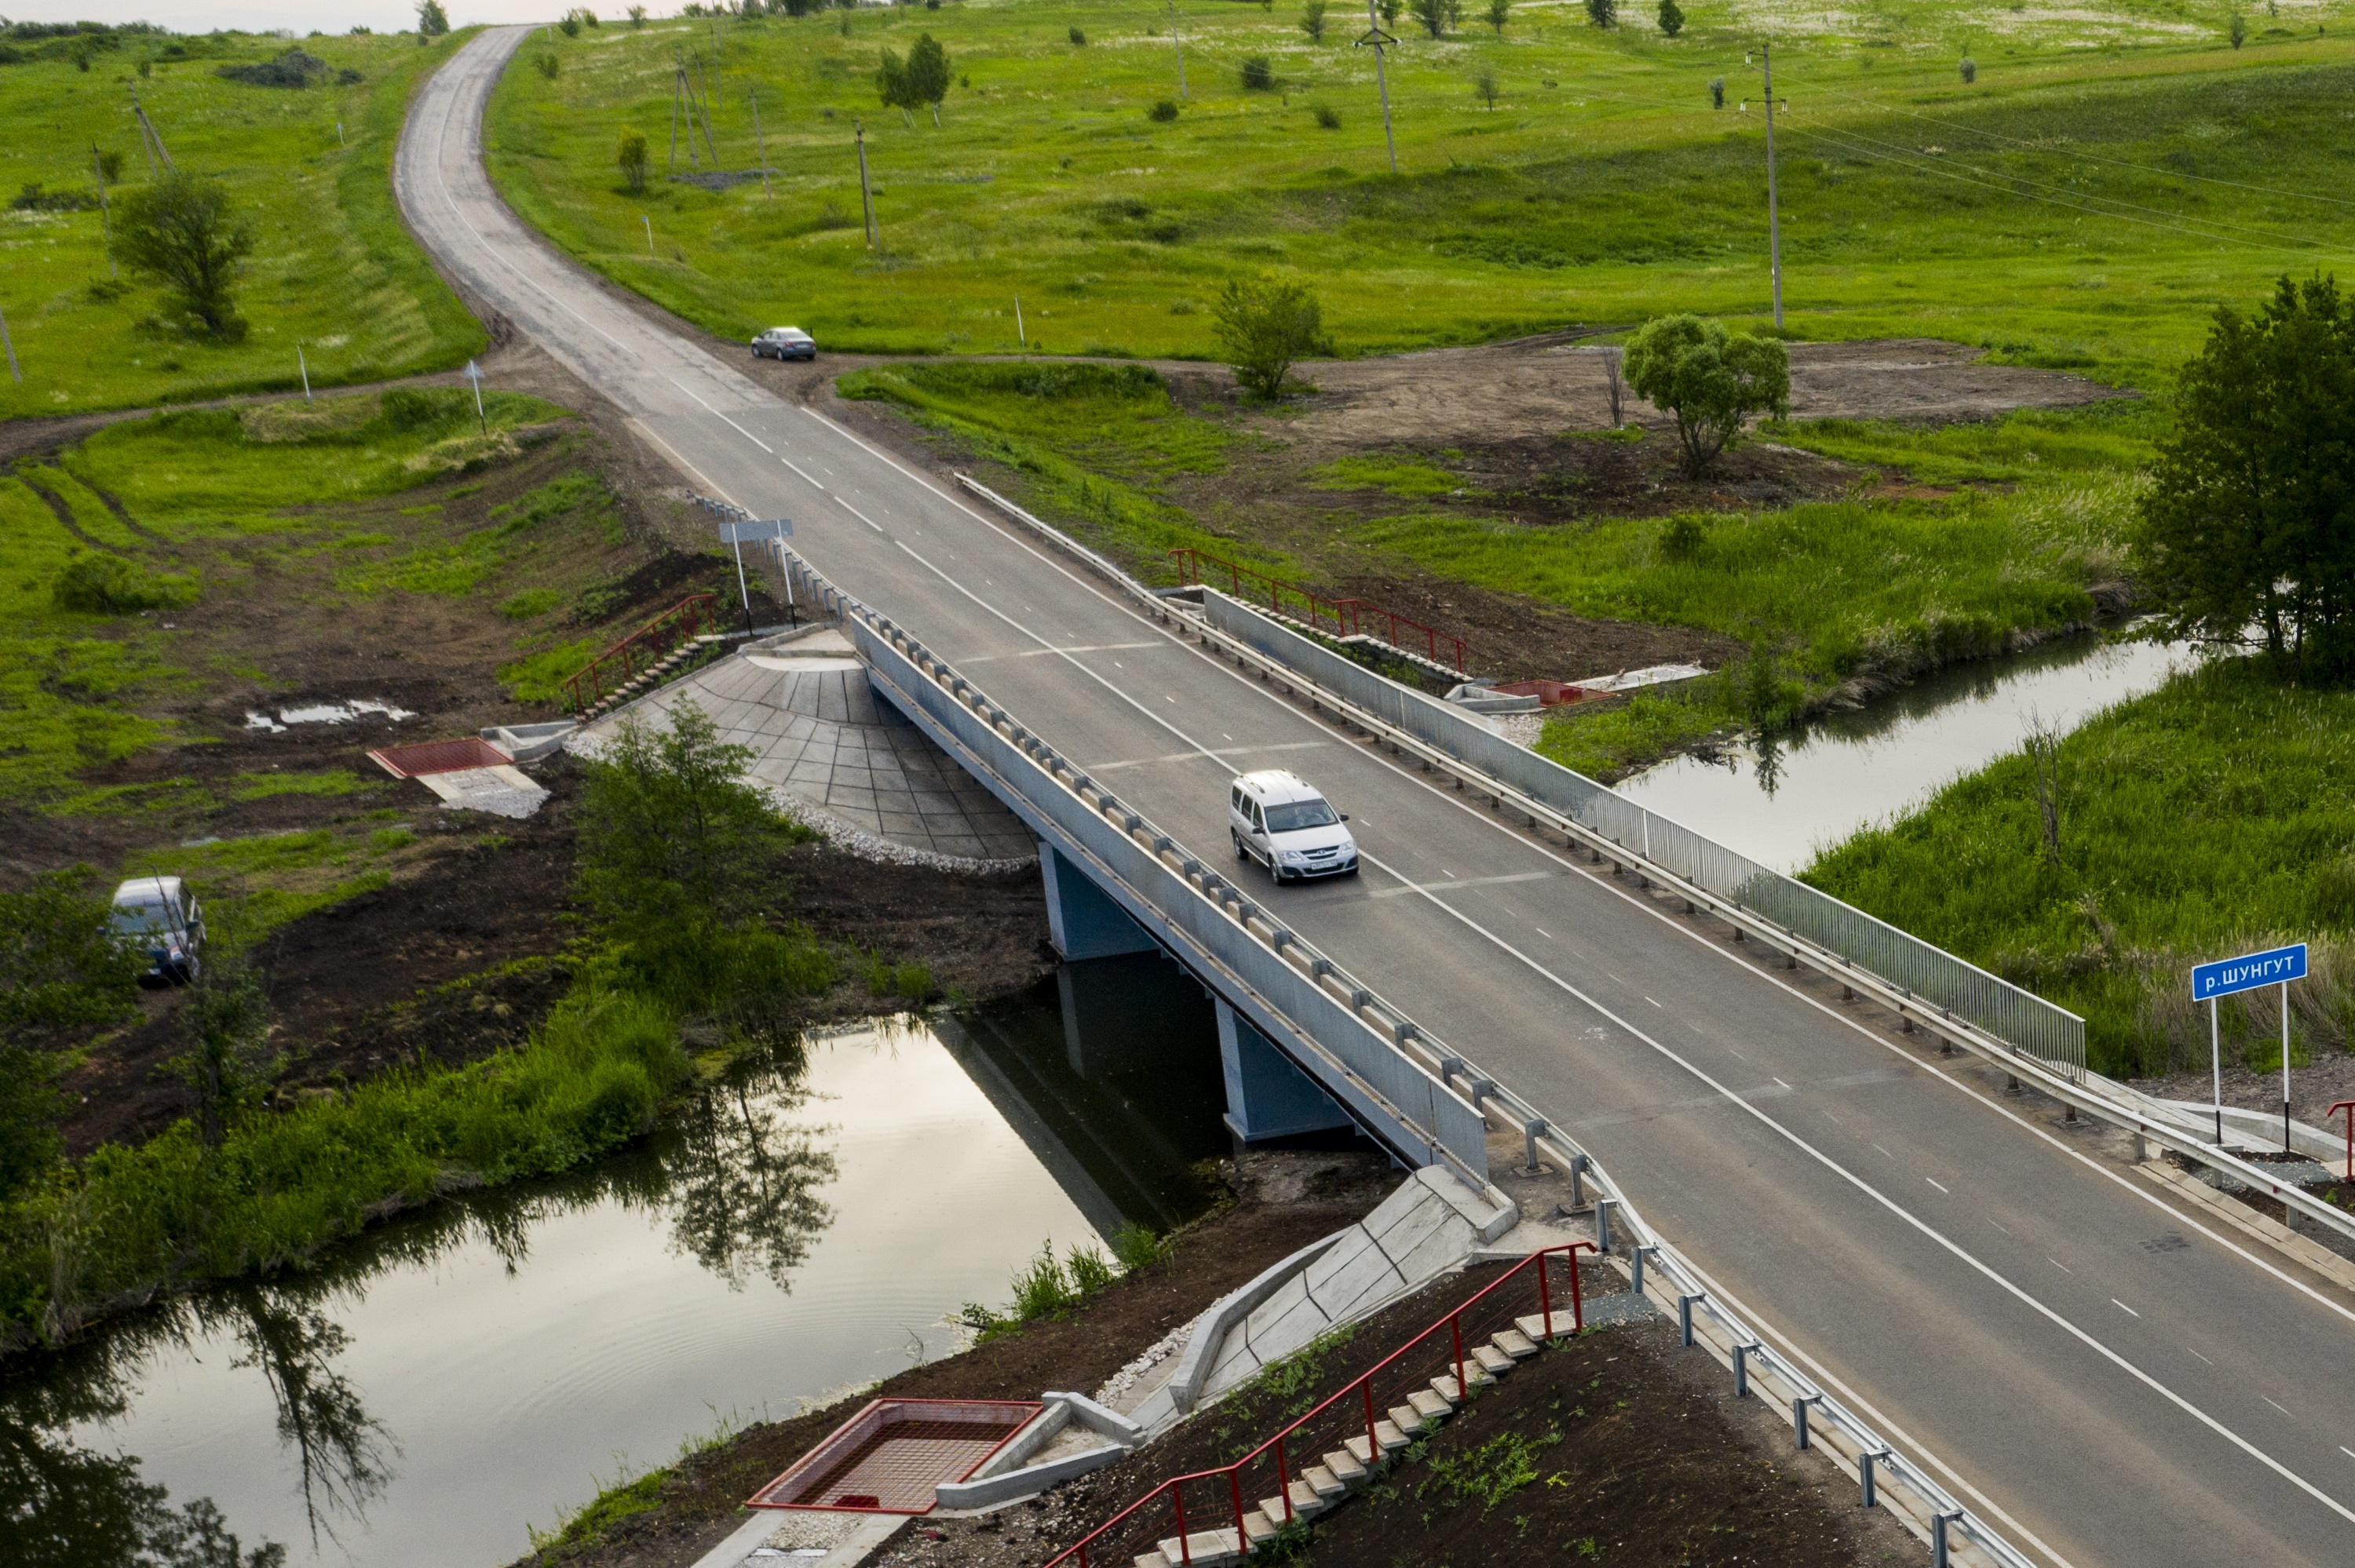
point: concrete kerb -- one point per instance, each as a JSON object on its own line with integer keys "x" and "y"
{"x": 2112, "y": 1102}
{"x": 1210, "y": 1331}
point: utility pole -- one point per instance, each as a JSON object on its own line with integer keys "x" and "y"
{"x": 10, "y": 344}
{"x": 1378, "y": 40}
{"x": 763, "y": 142}
{"x": 866, "y": 192}
{"x": 106, "y": 219}
{"x": 1179, "y": 44}
{"x": 1774, "y": 218}
{"x": 304, "y": 366}
{"x": 151, "y": 139}
{"x": 650, "y": 232}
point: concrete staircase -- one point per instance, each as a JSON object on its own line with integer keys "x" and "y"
{"x": 1322, "y": 1485}
{"x": 678, "y": 662}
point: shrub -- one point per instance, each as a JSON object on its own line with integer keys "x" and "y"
{"x": 570, "y": 27}
{"x": 1970, "y": 69}
{"x": 1717, "y": 93}
{"x": 1603, "y": 13}
{"x": 632, "y": 157}
{"x": 1681, "y": 538}
{"x": 1328, "y": 116}
{"x": 1711, "y": 379}
{"x": 1312, "y": 20}
{"x": 1079, "y": 38}
{"x": 1672, "y": 20}
{"x": 1258, "y": 74}
{"x": 406, "y": 409}
{"x": 97, "y": 583}
{"x": 294, "y": 69}
{"x": 2239, "y": 32}
{"x": 182, "y": 231}
{"x": 547, "y": 67}
{"x": 1135, "y": 1245}
{"x": 1163, "y": 112}
{"x": 1266, "y": 326}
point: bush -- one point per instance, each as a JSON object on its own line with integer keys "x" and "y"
{"x": 182, "y": 231}
{"x": 1328, "y": 116}
{"x": 1672, "y": 20}
{"x": 1164, "y": 112}
{"x": 1681, "y": 538}
{"x": 1717, "y": 93}
{"x": 407, "y": 408}
{"x": 1266, "y": 326}
{"x": 1711, "y": 379}
{"x": 1258, "y": 74}
{"x": 295, "y": 68}
{"x": 1077, "y": 37}
{"x": 547, "y": 67}
{"x": 1970, "y": 69}
{"x": 632, "y": 160}
{"x": 97, "y": 583}
{"x": 1135, "y": 1245}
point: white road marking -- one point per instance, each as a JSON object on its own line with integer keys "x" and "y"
{"x": 2060, "y": 1266}
{"x": 2276, "y": 1403}
{"x": 2197, "y": 1353}
{"x": 1655, "y": 1004}
{"x": 862, "y": 516}
{"x": 2132, "y": 1313}
{"x": 1664, "y": 1010}
{"x": 1457, "y": 882}
{"x": 1548, "y": 935}
{"x": 1938, "y": 1184}
{"x": 814, "y": 484}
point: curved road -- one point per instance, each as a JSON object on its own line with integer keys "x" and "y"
{"x": 2095, "y": 1371}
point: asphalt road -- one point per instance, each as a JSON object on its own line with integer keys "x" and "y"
{"x": 2092, "y": 1370}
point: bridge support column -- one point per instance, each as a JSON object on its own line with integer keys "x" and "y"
{"x": 1081, "y": 919}
{"x": 1267, "y": 1097}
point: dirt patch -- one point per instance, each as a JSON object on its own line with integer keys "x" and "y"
{"x": 1280, "y": 1210}
{"x": 2314, "y": 1087}
{"x": 1537, "y": 387}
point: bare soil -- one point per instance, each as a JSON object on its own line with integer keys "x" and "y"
{"x": 2314, "y": 1087}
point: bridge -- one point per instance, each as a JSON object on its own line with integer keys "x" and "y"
{"x": 2098, "y": 1372}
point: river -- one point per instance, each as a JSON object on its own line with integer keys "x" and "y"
{"x": 1783, "y": 802}
{"x": 807, "y": 1224}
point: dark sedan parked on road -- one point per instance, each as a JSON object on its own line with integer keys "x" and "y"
{"x": 785, "y": 343}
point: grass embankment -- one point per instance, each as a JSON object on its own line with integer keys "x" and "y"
{"x": 333, "y": 268}
{"x": 2212, "y": 815}
{"x": 1601, "y": 186}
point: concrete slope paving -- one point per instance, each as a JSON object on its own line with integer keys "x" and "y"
{"x": 2002, "y": 1302}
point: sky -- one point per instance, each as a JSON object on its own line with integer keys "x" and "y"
{"x": 265, "y": 16}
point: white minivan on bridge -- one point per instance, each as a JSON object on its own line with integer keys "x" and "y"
{"x": 1277, "y": 820}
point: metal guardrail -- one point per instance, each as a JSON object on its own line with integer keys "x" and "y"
{"x": 1351, "y": 617}
{"x": 1216, "y": 914}
{"x": 641, "y": 650}
{"x": 2020, "y": 1018}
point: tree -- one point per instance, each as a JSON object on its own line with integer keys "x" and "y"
{"x": 181, "y": 231}
{"x": 1436, "y": 16}
{"x": 2246, "y": 532}
{"x": 671, "y": 837}
{"x": 1312, "y": 20}
{"x": 432, "y": 20}
{"x": 1603, "y": 13}
{"x": 632, "y": 160}
{"x": 2240, "y": 30}
{"x": 1485, "y": 87}
{"x": 62, "y": 971}
{"x": 1970, "y": 69}
{"x": 1499, "y": 13}
{"x": 1266, "y": 326}
{"x": 928, "y": 74}
{"x": 1079, "y": 38}
{"x": 1711, "y": 379}
{"x": 225, "y": 1022}
{"x": 1390, "y": 10}
{"x": 1258, "y": 74}
{"x": 1672, "y": 20}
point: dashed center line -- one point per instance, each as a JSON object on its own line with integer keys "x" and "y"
{"x": 1938, "y": 1184}
{"x": 2132, "y": 1313}
{"x": 2277, "y": 1404}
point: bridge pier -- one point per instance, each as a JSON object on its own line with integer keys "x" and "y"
{"x": 1267, "y": 1097}
{"x": 1083, "y": 921}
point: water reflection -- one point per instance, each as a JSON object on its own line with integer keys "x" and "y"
{"x": 803, "y": 1224}
{"x": 1812, "y": 789}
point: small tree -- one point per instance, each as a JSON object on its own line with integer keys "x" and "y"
{"x": 1711, "y": 379}
{"x": 928, "y": 74}
{"x": 1258, "y": 74}
{"x": 1499, "y": 12}
{"x": 181, "y": 231}
{"x": 61, "y": 971}
{"x": 637, "y": 15}
{"x": 228, "y": 1062}
{"x": 1079, "y": 38}
{"x": 569, "y": 26}
{"x": 1267, "y": 325}
{"x": 1672, "y": 20}
{"x": 1717, "y": 93}
{"x": 1433, "y": 15}
{"x": 1312, "y": 20}
{"x": 1603, "y": 13}
{"x": 432, "y": 20}
{"x": 891, "y": 84}
{"x": 2240, "y": 30}
{"x": 632, "y": 160}
{"x": 1970, "y": 69}
{"x": 1486, "y": 87}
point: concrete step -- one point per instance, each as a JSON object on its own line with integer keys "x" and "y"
{"x": 1410, "y": 1421}
{"x": 1345, "y": 1466}
{"x": 1444, "y": 1386}
{"x": 1429, "y": 1408}
{"x": 1537, "y": 1328}
{"x": 1207, "y": 1548}
{"x": 1258, "y": 1527}
{"x": 1389, "y": 1440}
{"x": 1493, "y": 1362}
{"x": 1305, "y": 1503}
{"x": 1323, "y": 1482}
{"x": 1516, "y": 1344}
{"x": 1152, "y": 1560}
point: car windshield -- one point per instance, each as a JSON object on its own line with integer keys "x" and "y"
{"x": 1299, "y": 814}
{"x": 138, "y": 919}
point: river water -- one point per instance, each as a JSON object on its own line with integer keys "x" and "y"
{"x": 807, "y": 1224}
{"x": 1782, "y": 803}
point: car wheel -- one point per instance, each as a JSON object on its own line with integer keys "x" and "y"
{"x": 1240, "y": 853}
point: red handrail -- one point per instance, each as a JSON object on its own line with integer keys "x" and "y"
{"x": 2349, "y": 1106}
{"x": 646, "y": 646}
{"x": 1361, "y": 1386}
{"x": 1351, "y": 617}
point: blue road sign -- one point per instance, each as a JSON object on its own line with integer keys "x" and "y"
{"x": 2227, "y": 976}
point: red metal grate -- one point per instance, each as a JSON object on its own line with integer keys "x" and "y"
{"x": 438, "y": 757}
{"x": 890, "y": 1456}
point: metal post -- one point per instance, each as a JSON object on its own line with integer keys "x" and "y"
{"x": 1939, "y": 1552}
{"x": 1180, "y": 45}
{"x": 1455, "y": 1327}
{"x": 866, "y": 191}
{"x": 1545, "y": 1287}
{"x": 1773, "y": 218}
{"x": 1373, "y": 1438}
{"x": 1799, "y": 1415}
{"x": 1530, "y": 1133}
{"x": 743, "y": 591}
{"x": 10, "y": 344}
{"x": 1684, "y": 1319}
{"x": 1021, "y": 337}
{"x": 1740, "y": 1371}
{"x": 1603, "y": 1207}
{"x": 1283, "y": 1473}
{"x": 1184, "y": 1547}
{"x": 2216, "y": 1065}
{"x": 1638, "y": 1284}
{"x": 2285, "y": 1148}
{"x": 1377, "y": 38}
{"x": 1578, "y": 1164}
{"x": 763, "y": 142}
{"x": 1864, "y": 1471}
{"x": 304, "y": 366}
{"x": 650, "y": 234}
{"x": 105, "y": 217}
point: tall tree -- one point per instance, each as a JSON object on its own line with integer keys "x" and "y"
{"x": 432, "y": 20}
{"x": 2247, "y": 530}
{"x": 181, "y": 231}
{"x": 1267, "y": 325}
{"x": 62, "y": 972}
{"x": 928, "y": 75}
{"x": 1312, "y": 20}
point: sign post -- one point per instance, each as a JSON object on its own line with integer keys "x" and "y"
{"x": 475, "y": 375}
{"x": 737, "y": 535}
{"x": 2229, "y": 977}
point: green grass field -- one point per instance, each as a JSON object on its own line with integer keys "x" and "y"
{"x": 333, "y": 269}
{"x": 2086, "y": 202}
{"x": 2210, "y": 817}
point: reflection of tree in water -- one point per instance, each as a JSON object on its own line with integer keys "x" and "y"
{"x": 736, "y": 1180}
{"x": 741, "y": 1185}
{"x": 340, "y": 1449}
{"x": 1766, "y": 763}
